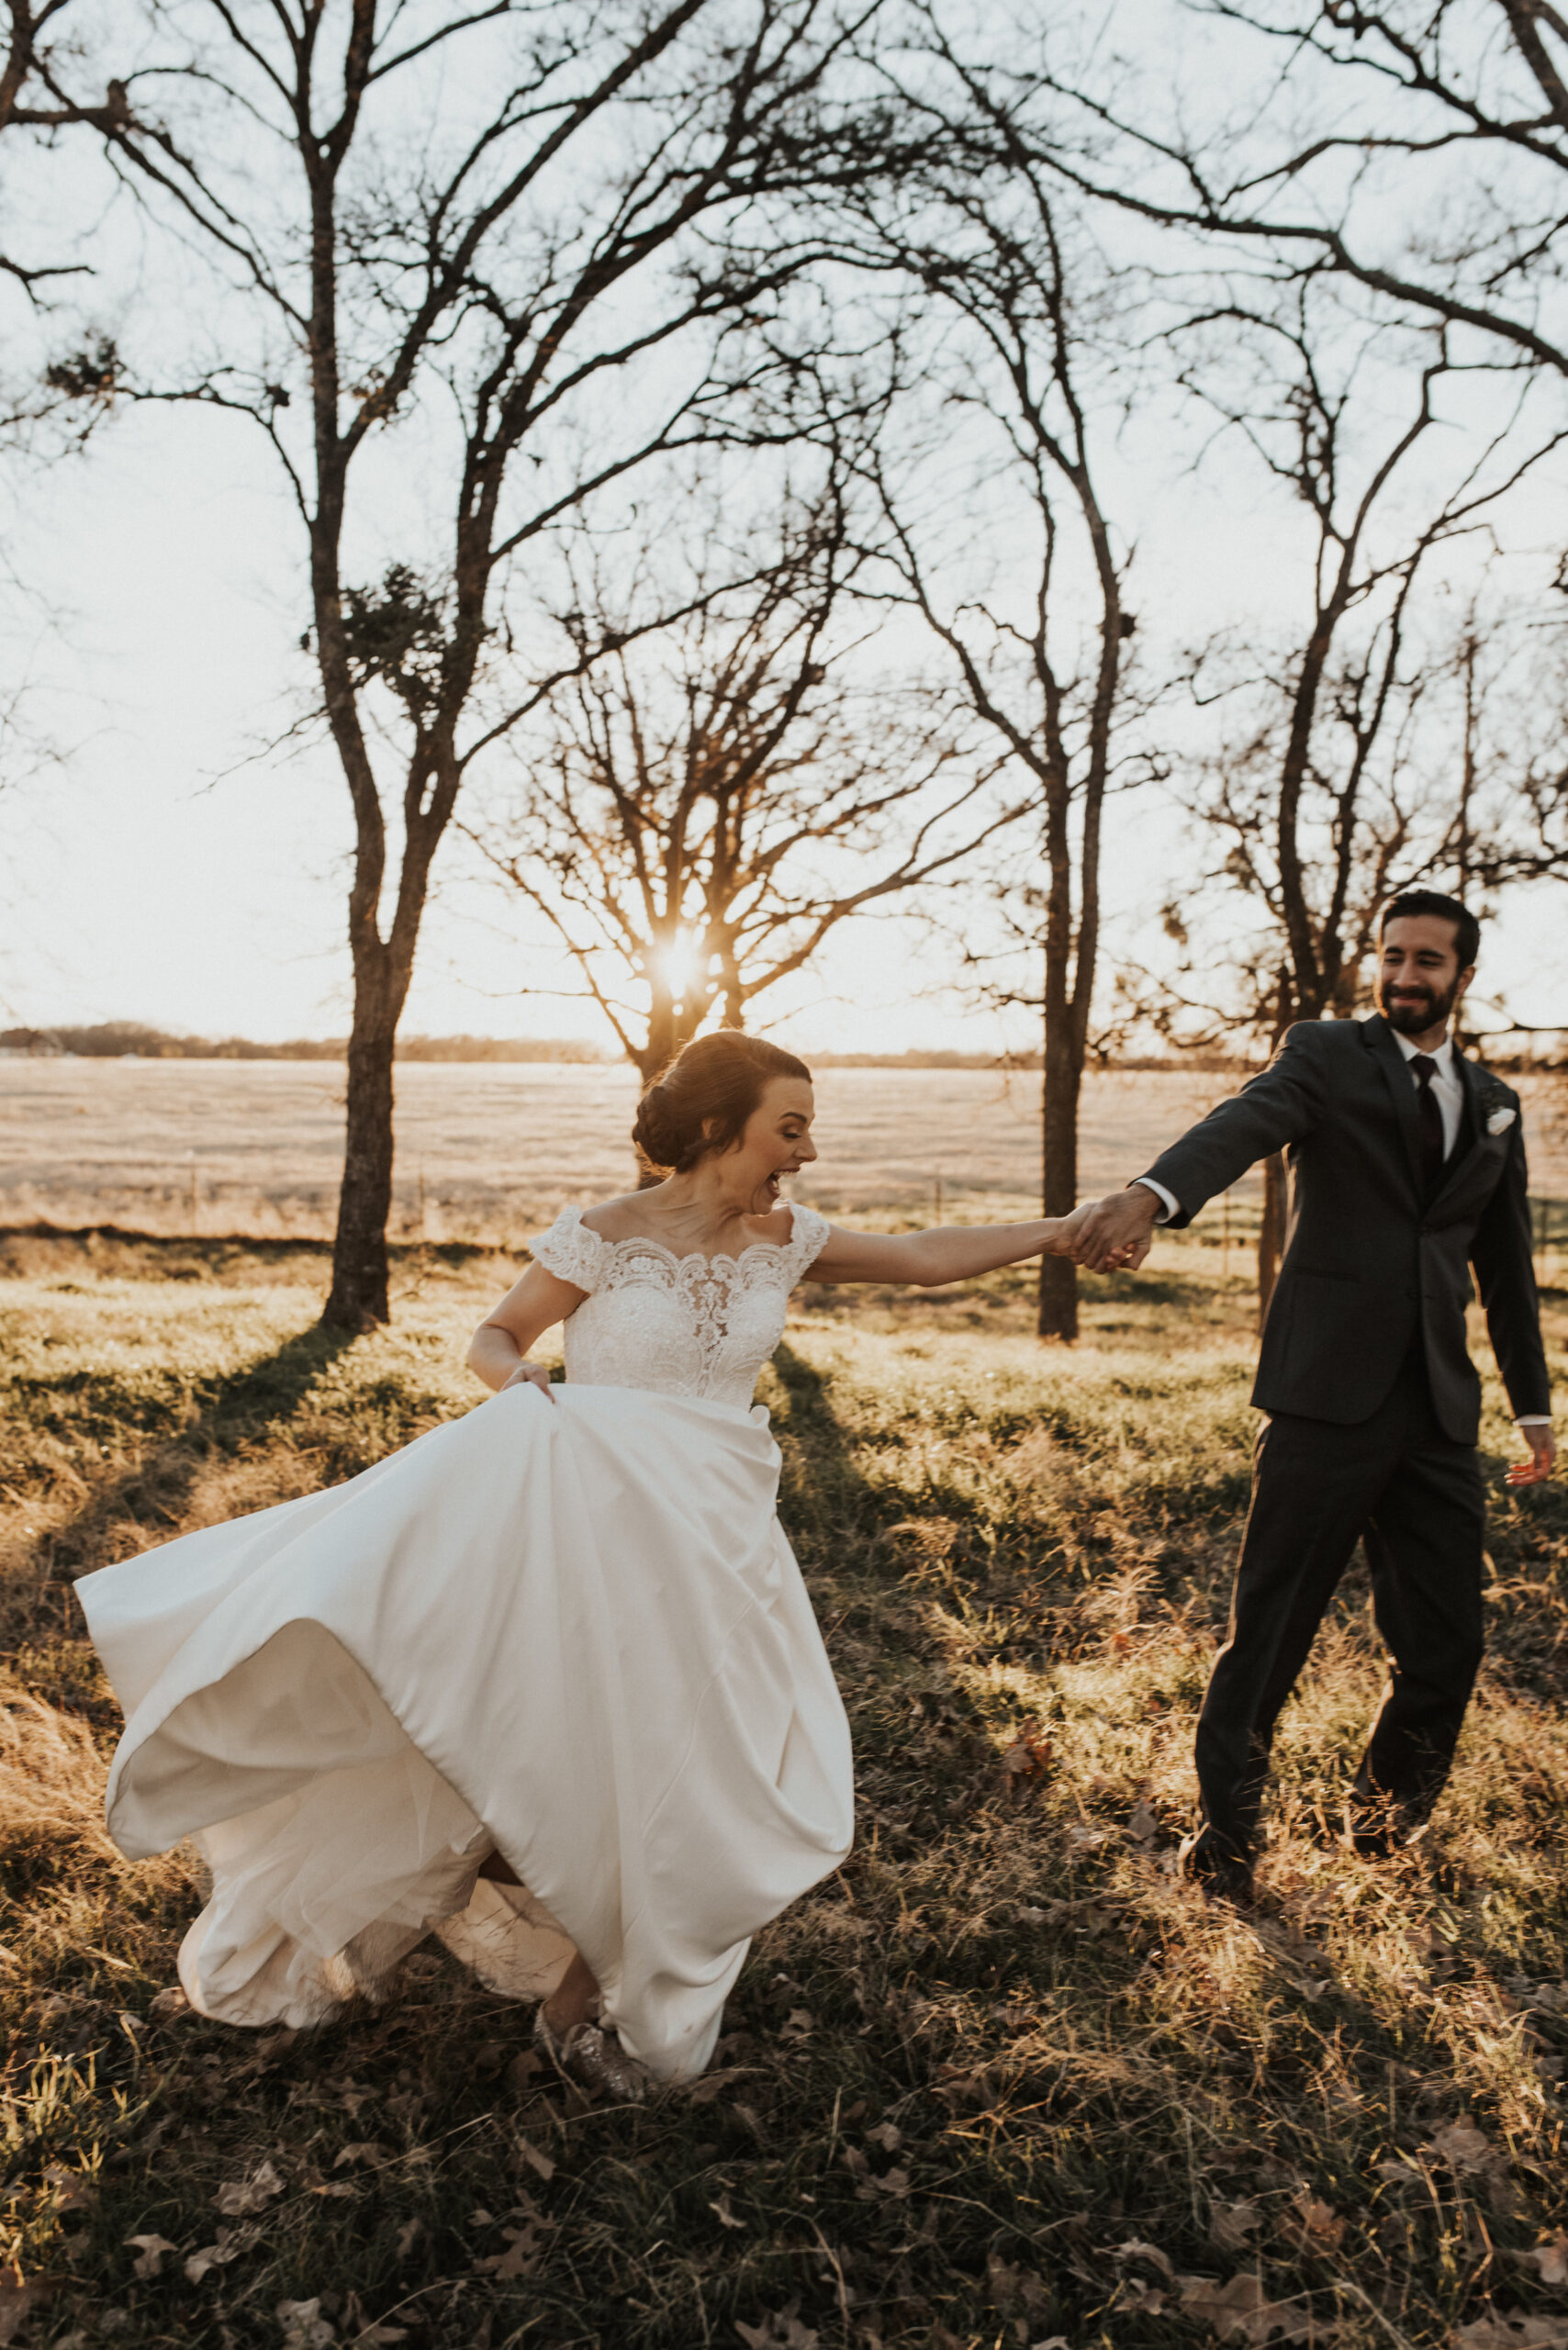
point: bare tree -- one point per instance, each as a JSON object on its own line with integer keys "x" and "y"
{"x": 40, "y": 73}
{"x": 712, "y": 802}
{"x": 976, "y": 224}
{"x": 1418, "y": 150}
{"x": 531, "y": 292}
{"x": 1516, "y": 715}
{"x": 1336, "y": 781}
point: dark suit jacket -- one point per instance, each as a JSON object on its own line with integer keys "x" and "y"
{"x": 1369, "y": 1259}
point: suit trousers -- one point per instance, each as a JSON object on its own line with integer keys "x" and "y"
{"x": 1414, "y": 1497}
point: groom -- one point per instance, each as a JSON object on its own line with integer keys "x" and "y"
{"x": 1407, "y": 1169}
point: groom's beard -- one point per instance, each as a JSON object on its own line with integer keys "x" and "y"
{"x": 1415, "y": 1007}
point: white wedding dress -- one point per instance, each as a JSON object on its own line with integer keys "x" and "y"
{"x": 567, "y": 1627}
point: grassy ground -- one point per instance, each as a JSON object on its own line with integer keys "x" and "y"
{"x": 1004, "y": 2080}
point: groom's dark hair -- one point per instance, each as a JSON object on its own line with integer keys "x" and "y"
{"x": 1466, "y": 929}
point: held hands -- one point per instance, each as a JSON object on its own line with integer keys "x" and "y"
{"x": 1543, "y": 1457}
{"x": 1115, "y": 1235}
{"x": 1069, "y": 1238}
{"x": 529, "y": 1374}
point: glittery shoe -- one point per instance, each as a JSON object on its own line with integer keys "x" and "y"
{"x": 593, "y": 2059}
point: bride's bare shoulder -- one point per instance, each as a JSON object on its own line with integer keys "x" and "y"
{"x": 617, "y": 1219}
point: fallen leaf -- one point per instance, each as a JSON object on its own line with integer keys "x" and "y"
{"x": 726, "y": 2216}
{"x": 361, "y": 2154}
{"x": 1400, "y": 2172}
{"x": 73, "y": 2191}
{"x": 893, "y": 2182}
{"x": 1231, "y": 2227}
{"x": 1144, "y": 1824}
{"x": 1549, "y": 2261}
{"x": 237, "y": 2197}
{"x": 231, "y": 2243}
{"x": 782, "y": 2330}
{"x": 1140, "y": 2299}
{"x": 365, "y": 2332}
{"x": 535, "y": 2158}
{"x": 886, "y": 2136}
{"x": 712, "y": 2084}
{"x": 1135, "y": 2248}
{"x": 1240, "y": 2308}
{"x": 1503, "y": 2331}
{"x": 339, "y": 2190}
{"x": 304, "y": 2327}
{"x": 170, "y": 2006}
{"x": 408, "y": 2236}
{"x": 799, "y": 2024}
{"x": 1016, "y": 2290}
{"x": 268, "y": 2051}
{"x": 1312, "y": 2226}
{"x": 19, "y": 2298}
{"x": 520, "y": 2257}
{"x": 149, "y": 2252}
{"x": 1463, "y": 2146}
{"x": 1028, "y": 1757}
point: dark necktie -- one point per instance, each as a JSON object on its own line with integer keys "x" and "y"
{"x": 1431, "y": 1117}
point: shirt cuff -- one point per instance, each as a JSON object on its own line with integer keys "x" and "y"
{"x": 1168, "y": 1203}
{"x": 1532, "y": 1420}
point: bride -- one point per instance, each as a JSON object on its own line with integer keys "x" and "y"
{"x": 548, "y": 1681}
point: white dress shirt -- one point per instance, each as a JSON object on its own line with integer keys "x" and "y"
{"x": 1448, "y": 1086}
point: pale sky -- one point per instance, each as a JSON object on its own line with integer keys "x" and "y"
{"x": 165, "y": 872}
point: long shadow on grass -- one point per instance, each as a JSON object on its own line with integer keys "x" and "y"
{"x": 825, "y": 1495}
{"x": 252, "y": 1402}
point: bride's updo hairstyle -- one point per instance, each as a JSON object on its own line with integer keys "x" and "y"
{"x": 704, "y": 1098}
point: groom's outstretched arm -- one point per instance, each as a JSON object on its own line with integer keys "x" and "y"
{"x": 1273, "y": 1110}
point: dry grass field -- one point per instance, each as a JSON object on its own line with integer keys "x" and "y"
{"x": 1003, "y": 2081}
{"x": 490, "y": 1151}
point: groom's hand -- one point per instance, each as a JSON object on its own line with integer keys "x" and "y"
{"x": 1543, "y": 1457}
{"x": 1117, "y": 1232}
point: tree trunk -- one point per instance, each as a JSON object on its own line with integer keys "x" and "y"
{"x": 1059, "y": 1185}
{"x": 1062, "y": 1061}
{"x": 1271, "y": 1231}
{"x": 358, "y": 1300}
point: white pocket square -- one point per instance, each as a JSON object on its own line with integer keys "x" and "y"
{"x": 1499, "y": 1121}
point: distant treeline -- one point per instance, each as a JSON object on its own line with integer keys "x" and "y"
{"x": 112, "y": 1039}
{"x": 115, "y": 1039}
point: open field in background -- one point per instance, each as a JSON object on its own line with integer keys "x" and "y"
{"x": 1003, "y": 2081}
{"x": 489, "y": 1152}
{"x": 498, "y": 1150}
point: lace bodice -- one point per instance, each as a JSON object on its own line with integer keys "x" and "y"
{"x": 680, "y": 1326}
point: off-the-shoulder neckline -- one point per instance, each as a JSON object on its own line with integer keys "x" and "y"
{"x": 694, "y": 1256}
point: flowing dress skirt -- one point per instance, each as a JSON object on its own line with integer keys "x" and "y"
{"x": 570, "y": 1628}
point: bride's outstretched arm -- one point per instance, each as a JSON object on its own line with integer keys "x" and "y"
{"x": 499, "y": 1350}
{"x": 948, "y": 1252}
